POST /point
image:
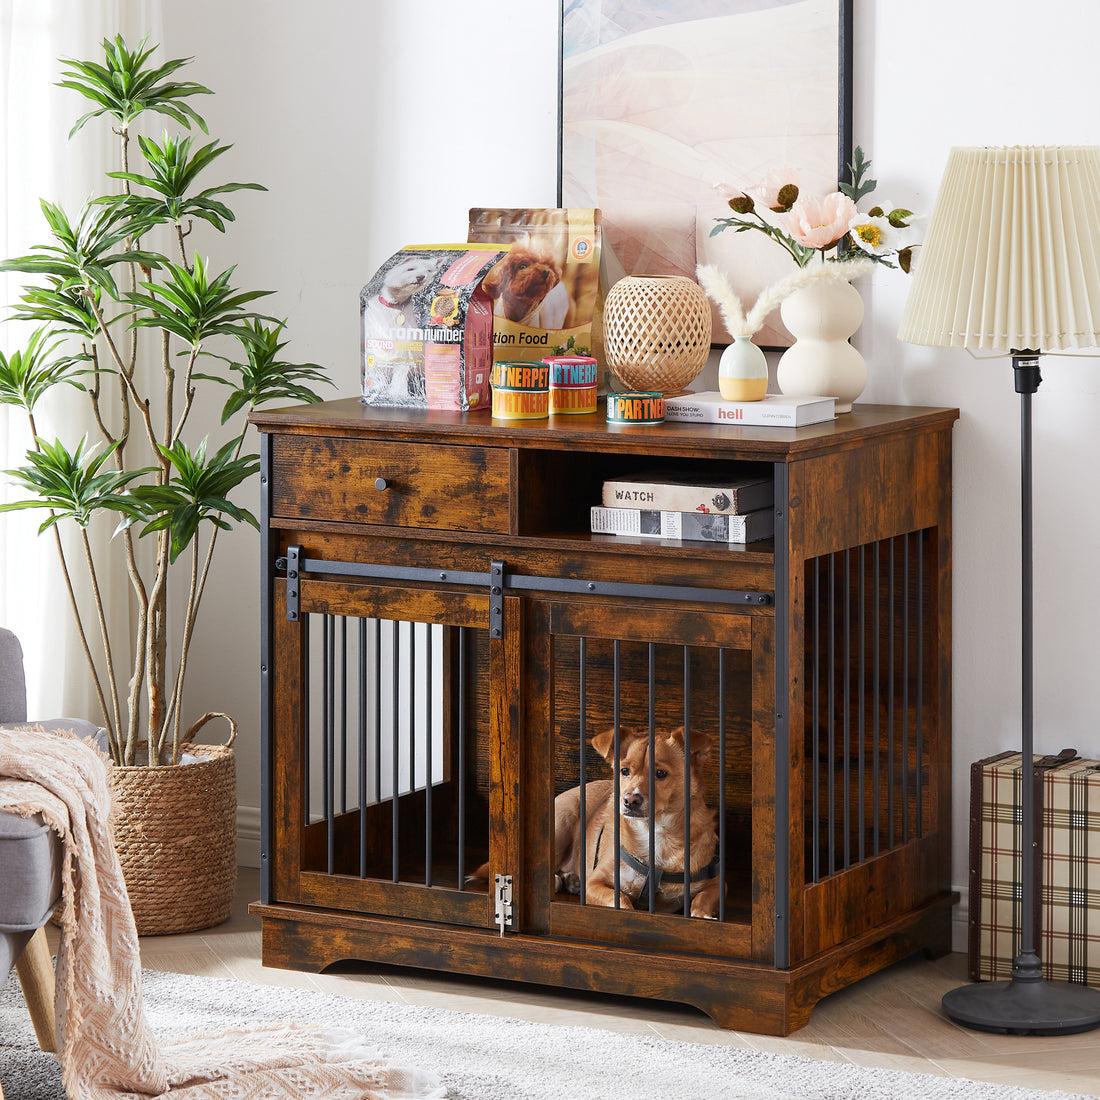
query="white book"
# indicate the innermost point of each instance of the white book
(724, 491)
(693, 526)
(774, 409)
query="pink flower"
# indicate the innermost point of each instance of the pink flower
(777, 190)
(820, 222)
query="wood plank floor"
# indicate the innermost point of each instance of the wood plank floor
(891, 1020)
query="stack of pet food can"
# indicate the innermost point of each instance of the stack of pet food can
(572, 383)
(521, 391)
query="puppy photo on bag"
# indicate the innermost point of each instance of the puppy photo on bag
(544, 291)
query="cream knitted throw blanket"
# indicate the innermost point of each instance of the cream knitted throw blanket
(105, 1046)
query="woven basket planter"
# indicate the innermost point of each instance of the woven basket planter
(176, 836)
(656, 332)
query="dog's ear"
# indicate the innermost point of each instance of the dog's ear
(700, 744)
(493, 283)
(604, 743)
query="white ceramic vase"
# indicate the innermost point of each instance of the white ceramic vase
(821, 317)
(743, 371)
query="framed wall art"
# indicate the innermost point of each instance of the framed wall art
(662, 99)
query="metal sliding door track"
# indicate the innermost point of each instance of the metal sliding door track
(295, 565)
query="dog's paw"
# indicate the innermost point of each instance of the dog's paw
(569, 883)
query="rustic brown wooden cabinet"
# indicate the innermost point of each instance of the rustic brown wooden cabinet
(442, 636)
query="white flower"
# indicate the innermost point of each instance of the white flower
(875, 234)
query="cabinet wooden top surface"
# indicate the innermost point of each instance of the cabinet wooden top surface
(351, 417)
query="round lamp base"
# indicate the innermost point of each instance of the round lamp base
(1025, 1007)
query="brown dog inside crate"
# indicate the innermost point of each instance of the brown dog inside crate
(675, 829)
(636, 804)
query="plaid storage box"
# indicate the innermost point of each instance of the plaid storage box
(1067, 863)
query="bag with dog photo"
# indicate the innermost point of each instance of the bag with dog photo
(545, 289)
(427, 328)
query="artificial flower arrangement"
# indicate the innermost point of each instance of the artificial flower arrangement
(808, 226)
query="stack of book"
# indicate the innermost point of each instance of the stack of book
(664, 505)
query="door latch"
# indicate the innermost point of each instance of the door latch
(502, 903)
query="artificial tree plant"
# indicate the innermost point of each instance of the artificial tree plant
(102, 284)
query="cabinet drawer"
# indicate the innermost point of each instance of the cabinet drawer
(446, 487)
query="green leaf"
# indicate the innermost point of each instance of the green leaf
(27, 374)
(858, 188)
(82, 254)
(194, 305)
(265, 376)
(173, 168)
(73, 486)
(124, 86)
(197, 491)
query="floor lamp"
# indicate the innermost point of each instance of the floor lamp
(1011, 263)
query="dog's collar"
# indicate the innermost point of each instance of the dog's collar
(388, 305)
(656, 875)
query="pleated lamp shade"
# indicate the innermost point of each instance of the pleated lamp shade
(1011, 259)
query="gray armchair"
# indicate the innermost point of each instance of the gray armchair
(30, 863)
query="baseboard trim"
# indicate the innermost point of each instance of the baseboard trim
(960, 922)
(248, 836)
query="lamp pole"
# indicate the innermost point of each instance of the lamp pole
(1027, 1002)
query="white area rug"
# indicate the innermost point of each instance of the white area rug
(489, 1058)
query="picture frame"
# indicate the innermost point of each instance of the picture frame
(660, 100)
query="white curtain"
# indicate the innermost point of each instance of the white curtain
(37, 160)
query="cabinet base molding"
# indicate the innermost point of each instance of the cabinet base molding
(738, 995)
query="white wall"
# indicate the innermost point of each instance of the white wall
(338, 111)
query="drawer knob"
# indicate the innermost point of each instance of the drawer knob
(380, 484)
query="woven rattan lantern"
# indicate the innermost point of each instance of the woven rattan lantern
(656, 332)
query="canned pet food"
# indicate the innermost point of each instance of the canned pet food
(521, 391)
(635, 408)
(572, 383)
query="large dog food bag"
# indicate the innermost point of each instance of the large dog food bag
(545, 291)
(427, 328)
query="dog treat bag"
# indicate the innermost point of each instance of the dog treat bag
(544, 291)
(427, 328)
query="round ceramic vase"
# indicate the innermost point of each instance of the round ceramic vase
(742, 371)
(822, 317)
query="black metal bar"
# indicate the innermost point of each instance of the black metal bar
(343, 714)
(395, 745)
(376, 685)
(891, 692)
(920, 684)
(846, 709)
(411, 681)
(876, 721)
(328, 733)
(721, 784)
(617, 756)
(907, 592)
(267, 659)
(307, 726)
(364, 725)
(687, 782)
(460, 703)
(861, 692)
(429, 765)
(582, 688)
(815, 731)
(652, 779)
(830, 703)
